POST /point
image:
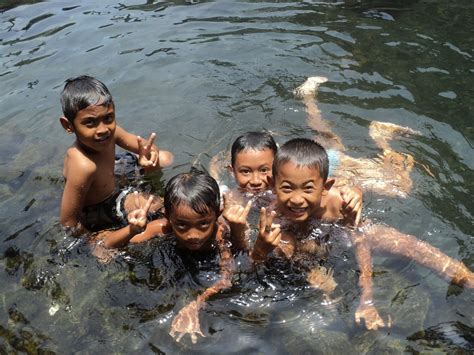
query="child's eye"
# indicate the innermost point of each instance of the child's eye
(264, 170)
(180, 226)
(308, 190)
(245, 172)
(89, 124)
(286, 189)
(204, 224)
(109, 119)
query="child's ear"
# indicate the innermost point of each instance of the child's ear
(328, 184)
(68, 126)
(230, 169)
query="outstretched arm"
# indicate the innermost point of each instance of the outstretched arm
(387, 239)
(187, 320)
(149, 156)
(137, 230)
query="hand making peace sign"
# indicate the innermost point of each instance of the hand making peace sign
(137, 218)
(148, 154)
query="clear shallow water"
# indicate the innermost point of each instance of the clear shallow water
(199, 75)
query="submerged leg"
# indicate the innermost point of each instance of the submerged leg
(386, 239)
(383, 132)
(307, 93)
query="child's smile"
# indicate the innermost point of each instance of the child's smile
(299, 191)
(253, 169)
(95, 126)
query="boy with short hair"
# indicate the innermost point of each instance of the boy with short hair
(252, 156)
(303, 190)
(90, 200)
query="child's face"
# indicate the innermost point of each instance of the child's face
(253, 169)
(94, 126)
(299, 191)
(192, 229)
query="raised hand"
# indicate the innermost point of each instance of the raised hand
(352, 205)
(234, 213)
(187, 322)
(370, 315)
(269, 235)
(148, 154)
(137, 218)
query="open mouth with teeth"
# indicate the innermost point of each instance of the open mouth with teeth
(297, 211)
(103, 139)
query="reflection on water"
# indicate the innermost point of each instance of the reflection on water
(199, 75)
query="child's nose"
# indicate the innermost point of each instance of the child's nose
(296, 199)
(255, 179)
(102, 128)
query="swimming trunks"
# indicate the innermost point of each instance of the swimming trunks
(111, 213)
(106, 214)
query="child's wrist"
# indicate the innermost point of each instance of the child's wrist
(134, 230)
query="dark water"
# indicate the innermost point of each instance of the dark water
(199, 75)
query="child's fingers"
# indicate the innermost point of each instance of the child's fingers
(140, 143)
(263, 220)
(275, 235)
(270, 219)
(153, 157)
(148, 204)
(151, 140)
(246, 210)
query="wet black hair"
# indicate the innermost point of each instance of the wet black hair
(302, 152)
(197, 189)
(252, 141)
(81, 92)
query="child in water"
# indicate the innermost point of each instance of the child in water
(300, 173)
(91, 202)
(192, 207)
(252, 157)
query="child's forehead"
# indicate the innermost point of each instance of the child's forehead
(255, 153)
(101, 105)
(291, 170)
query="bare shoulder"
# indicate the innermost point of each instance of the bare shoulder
(333, 204)
(77, 164)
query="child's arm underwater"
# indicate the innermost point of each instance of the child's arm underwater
(149, 156)
(390, 240)
(366, 310)
(187, 320)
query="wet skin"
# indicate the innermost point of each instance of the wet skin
(299, 192)
(253, 169)
(95, 127)
(193, 230)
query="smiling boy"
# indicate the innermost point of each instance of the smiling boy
(304, 197)
(90, 200)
